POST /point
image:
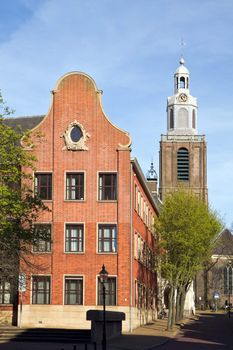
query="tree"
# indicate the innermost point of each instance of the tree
(19, 208)
(186, 228)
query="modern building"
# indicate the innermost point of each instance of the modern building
(102, 211)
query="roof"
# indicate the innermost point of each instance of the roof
(25, 123)
(182, 69)
(224, 243)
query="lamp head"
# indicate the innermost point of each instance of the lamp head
(103, 275)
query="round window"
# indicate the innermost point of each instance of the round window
(76, 134)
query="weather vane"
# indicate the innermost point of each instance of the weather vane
(182, 44)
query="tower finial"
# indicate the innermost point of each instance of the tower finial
(182, 44)
(151, 174)
(182, 60)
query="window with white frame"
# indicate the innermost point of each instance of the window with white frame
(75, 186)
(73, 290)
(6, 290)
(107, 186)
(139, 203)
(41, 290)
(107, 238)
(142, 207)
(43, 185)
(136, 198)
(135, 245)
(42, 243)
(74, 238)
(110, 291)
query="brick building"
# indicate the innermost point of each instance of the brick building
(101, 212)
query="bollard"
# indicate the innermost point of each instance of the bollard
(86, 346)
(74, 347)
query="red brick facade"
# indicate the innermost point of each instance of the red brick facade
(104, 150)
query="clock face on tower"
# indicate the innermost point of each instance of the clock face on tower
(183, 97)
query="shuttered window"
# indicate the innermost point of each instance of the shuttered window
(183, 164)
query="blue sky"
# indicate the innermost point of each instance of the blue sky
(131, 48)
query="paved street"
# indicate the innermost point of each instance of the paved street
(211, 331)
(208, 331)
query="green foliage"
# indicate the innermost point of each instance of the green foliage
(187, 228)
(19, 208)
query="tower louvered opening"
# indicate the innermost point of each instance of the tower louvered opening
(183, 164)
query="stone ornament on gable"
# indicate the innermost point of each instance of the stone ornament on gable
(75, 137)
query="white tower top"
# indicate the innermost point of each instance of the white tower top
(181, 107)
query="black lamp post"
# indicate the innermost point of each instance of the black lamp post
(229, 302)
(103, 278)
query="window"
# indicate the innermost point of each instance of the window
(6, 292)
(182, 83)
(140, 248)
(139, 203)
(40, 290)
(135, 245)
(74, 238)
(107, 239)
(43, 186)
(139, 294)
(141, 207)
(171, 119)
(135, 197)
(43, 241)
(183, 164)
(76, 134)
(193, 119)
(110, 291)
(75, 186)
(107, 186)
(74, 291)
(228, 280)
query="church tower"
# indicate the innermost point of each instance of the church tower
(182, 150)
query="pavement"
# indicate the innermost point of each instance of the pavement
(146, 337)
(205, 331)
(212, 331)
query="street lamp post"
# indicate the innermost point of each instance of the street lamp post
(229, 302)
(103, 278)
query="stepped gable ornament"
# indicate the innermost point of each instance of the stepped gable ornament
(75, 137)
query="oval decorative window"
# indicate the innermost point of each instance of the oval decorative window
(76, 134)
(75, 137)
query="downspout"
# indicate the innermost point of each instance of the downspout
(131, 251)
(53, 166)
